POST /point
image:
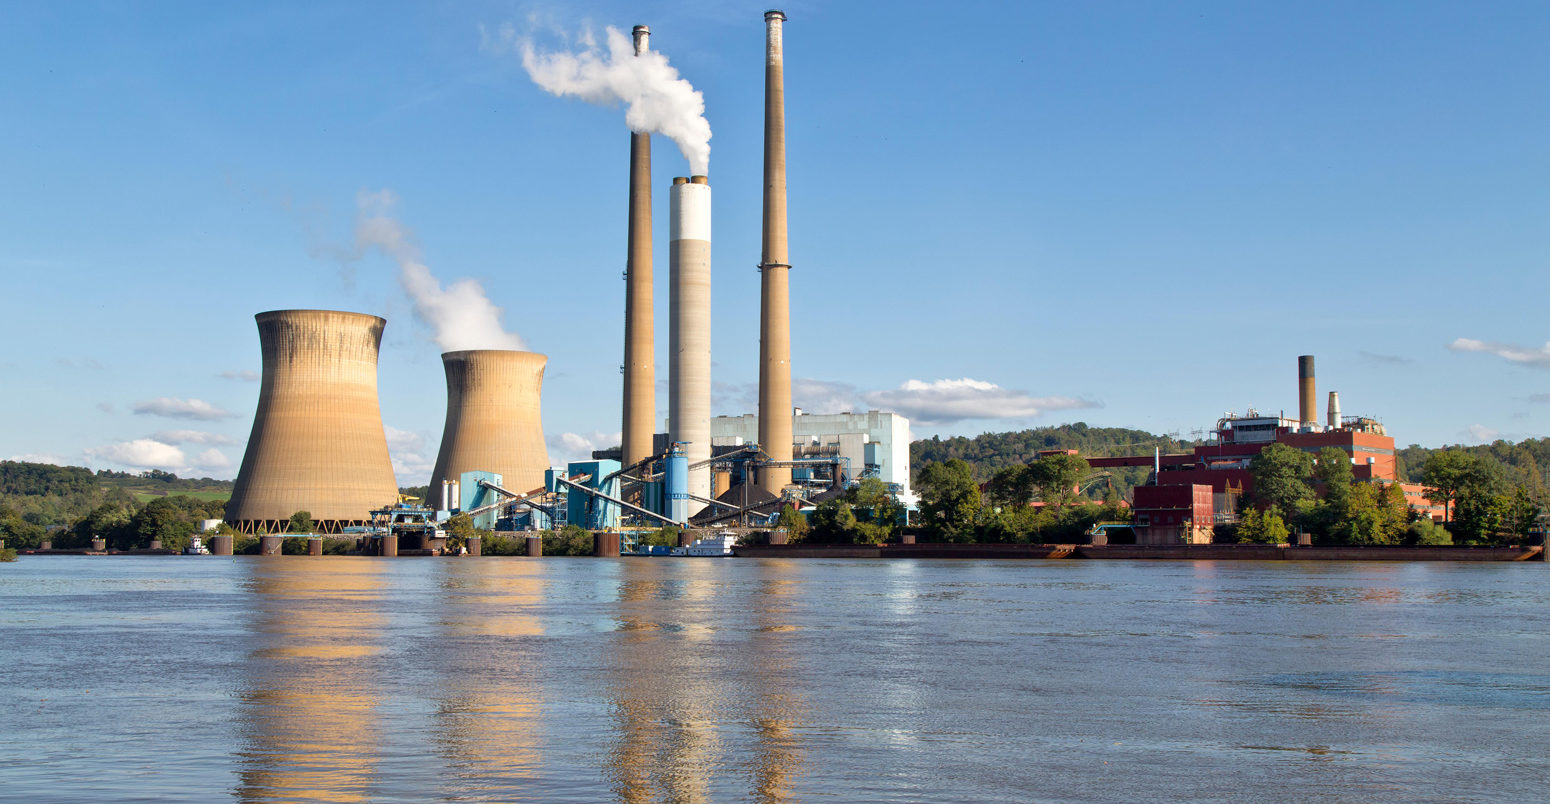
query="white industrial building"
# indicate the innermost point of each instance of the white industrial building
(873, 444)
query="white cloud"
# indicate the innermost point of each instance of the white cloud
(949, 401)
(192, 437)
(144, 453)
(1480, 432)
(1524, 355)
(105, 407)
(245, 376)
(812, 396)
(212, 458)
(1539, 397)
(566, 447)
(412, 465)
(174, 408)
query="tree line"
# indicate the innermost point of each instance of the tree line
(71, 505)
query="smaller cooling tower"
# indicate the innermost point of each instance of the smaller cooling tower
(317, 443)
(493, 423)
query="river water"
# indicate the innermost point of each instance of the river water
(508, 679)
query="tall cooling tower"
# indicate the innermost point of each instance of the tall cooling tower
(317, 443)
(492, 418)
(774, 284)
(640, 389)
(688, 396)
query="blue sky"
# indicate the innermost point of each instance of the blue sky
(998, 211)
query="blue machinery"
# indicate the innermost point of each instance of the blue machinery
(596, 494)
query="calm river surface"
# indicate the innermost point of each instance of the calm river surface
(505, 679)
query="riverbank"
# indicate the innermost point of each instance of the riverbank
(1174, 552)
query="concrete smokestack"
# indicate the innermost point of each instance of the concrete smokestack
(317, 443)
(1307, 412)
(640, 370)
(688, 404)
(774, 290)
(493, 421)
(1334, 410)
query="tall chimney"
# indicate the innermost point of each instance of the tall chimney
(688, 402)
(1307, 415)
(639, 330)
(1334, 410)
(774, 291)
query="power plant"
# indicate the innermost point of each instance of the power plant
(317, 443)
(493, 422)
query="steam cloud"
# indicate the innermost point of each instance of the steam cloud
(460, 314)
(656, 99)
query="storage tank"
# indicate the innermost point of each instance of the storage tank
(493, 422)
(317, 443)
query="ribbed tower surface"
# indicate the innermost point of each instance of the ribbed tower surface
(317, 443)
(493, 421)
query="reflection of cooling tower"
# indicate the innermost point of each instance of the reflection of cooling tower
(492, 418)
(775, 290)
(688, 395)
(317, 442)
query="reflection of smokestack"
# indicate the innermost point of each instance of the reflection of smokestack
(688, 401)
(639, 329)
(775, 291)
(317, 443)
(1334, 410)
(1307, 414)
(493, 423)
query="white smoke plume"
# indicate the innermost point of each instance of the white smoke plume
(655, 98)
(460, 314)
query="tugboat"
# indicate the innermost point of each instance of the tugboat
(196, 547)
(718, 546)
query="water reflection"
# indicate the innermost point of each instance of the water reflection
(310, 687)
(702, 690)
(488, 708)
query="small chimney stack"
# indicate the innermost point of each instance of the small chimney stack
(1307, 414)
(1334, 410)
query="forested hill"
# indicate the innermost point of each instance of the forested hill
(1525, 462)
(992, 451)
(44, 494)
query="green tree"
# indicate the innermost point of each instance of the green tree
(833, 522)
(793, 522)
(166, 518)
(1056, 477)
(1262, 527)
(1280, 477)
(1446, 474)
(949, 501)
(301, 522)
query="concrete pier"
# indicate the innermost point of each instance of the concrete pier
(390, 546)
(475, 545)
(605, 545)
(907, 538)
(220, 545)
(270, 545)
(779, 537)
(535, 547)
(156, 544)
(99, 545)
(46, 544)
(314, 545)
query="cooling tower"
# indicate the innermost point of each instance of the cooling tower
(492, 418)
(688, 395)
(639, 335)
(317, 443)
(774, 287)
(1307, 413)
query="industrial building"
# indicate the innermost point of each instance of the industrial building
(871, 444)
(317, 443)
(1188, 493)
